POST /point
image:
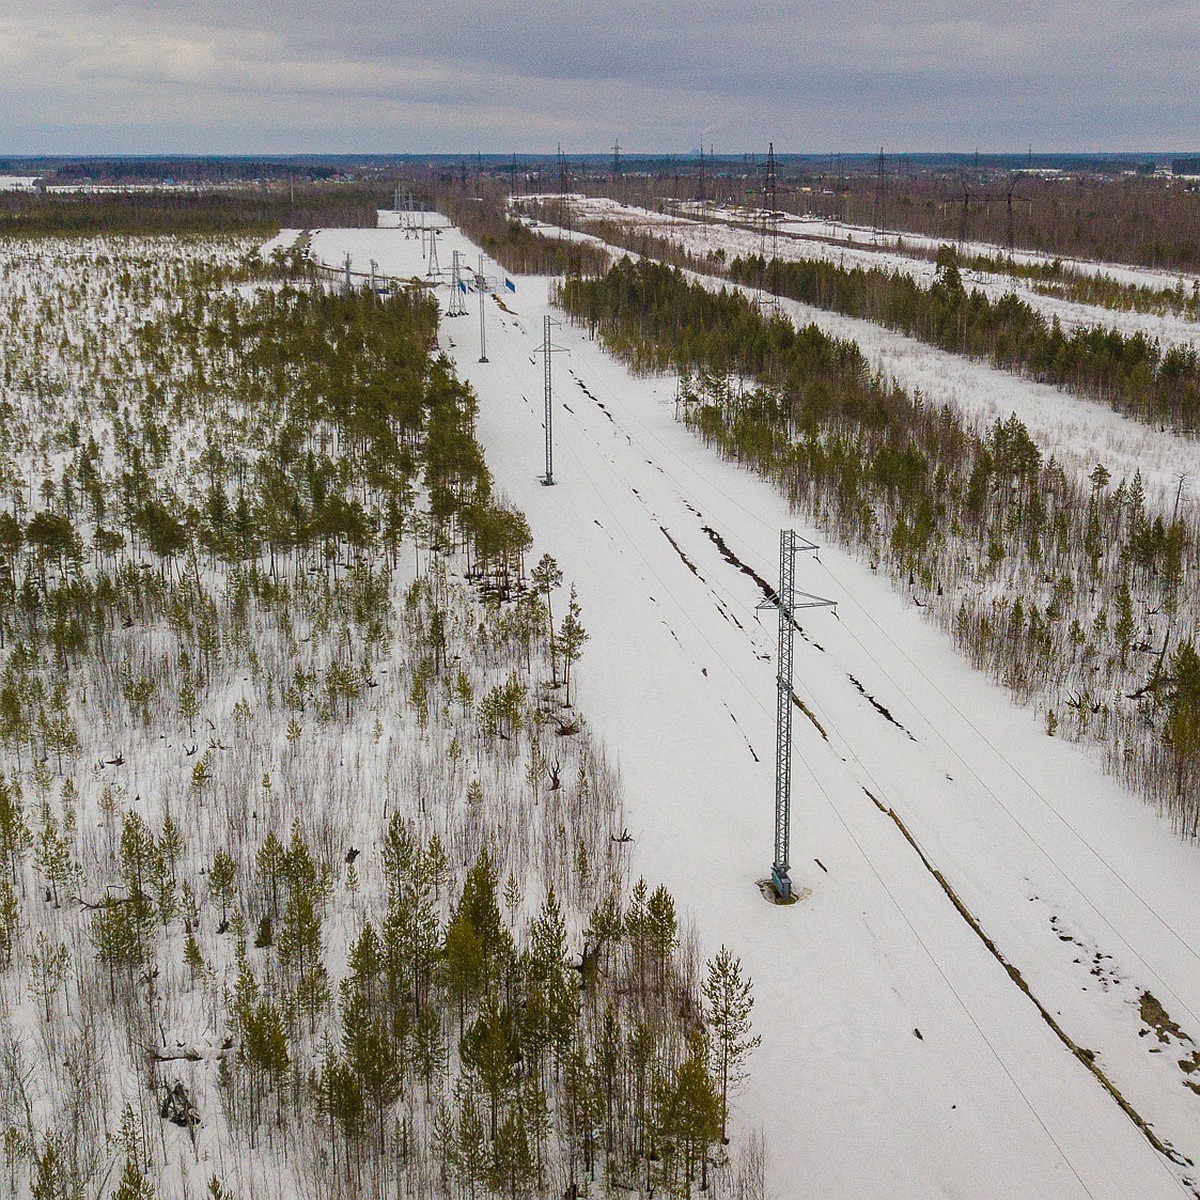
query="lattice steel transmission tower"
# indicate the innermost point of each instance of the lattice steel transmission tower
(880, 197)
(433, 270)
(547, 351)
(787, 604)
(458, 289)
(769, 240)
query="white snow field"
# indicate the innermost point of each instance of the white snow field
(900, 1057)
(1079, 432)
(800, 239)
(813, 227)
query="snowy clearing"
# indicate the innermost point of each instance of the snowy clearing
(1078, 432)
(899, 1056)
(796, 242)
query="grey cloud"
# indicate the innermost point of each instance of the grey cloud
(466, 75)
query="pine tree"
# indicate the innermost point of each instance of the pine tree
(137, 853)
(471, 1159)
(265, 1049)
(571, 638)
(10, 920)
(222, 881)
(135, 1183)
(338, 1095)
(192, 957)
(50, 1177)
(513, 1169)
(271, 862)
(374, 1056)
(47, 970)
(728, 1001)
(1182, 728)
(512, 898)
(693, 1111)
(546, 576)
(53, 858)
(429, 1049)
(661, 929)
(489, 1049)
(462, 971)
(170, 844)
(15, 837)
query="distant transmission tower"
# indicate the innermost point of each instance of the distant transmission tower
(616, 166)
(458, 288)
(880, 194)
(547, 351)
(769, 241)
(433, 270)
(564, 212)
(786, 604)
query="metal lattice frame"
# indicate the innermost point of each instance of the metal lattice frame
(433, 270)
(783, 714)
(547, 353)
(457, 307)
(786, 603)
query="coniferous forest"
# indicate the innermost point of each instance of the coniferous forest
(314, 880)
(1131, 372)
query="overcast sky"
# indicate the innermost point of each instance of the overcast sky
(292, 76)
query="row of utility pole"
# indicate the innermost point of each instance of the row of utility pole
(786, 602)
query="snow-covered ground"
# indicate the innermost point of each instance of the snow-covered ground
(899, 1056)
(1080, 433)
(797, 242)
(821, 227)
(17, 183)
(285, 239)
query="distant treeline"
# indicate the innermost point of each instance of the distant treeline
(1150, 221)
(250, 210)
(191, 170)
(513, 244)
(1131, 372)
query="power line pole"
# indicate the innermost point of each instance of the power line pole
(546, 352)
(786, 604)
(481, 285)
(769, 248)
